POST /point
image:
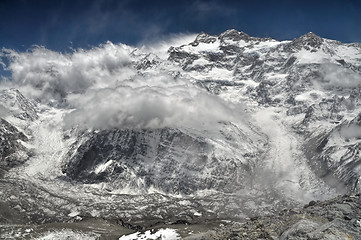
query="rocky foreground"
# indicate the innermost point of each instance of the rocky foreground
(338, 218)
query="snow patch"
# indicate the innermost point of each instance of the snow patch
(264, 45)
(74, 213)
(103, 167)
(310, 96)
(203, 47)
(306, 57)
(163, 234)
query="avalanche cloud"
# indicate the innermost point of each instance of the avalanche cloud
(103, 89)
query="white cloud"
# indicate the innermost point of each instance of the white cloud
(105, 90)
(3, 111)
(147, 107)
(337, 76)
(46, 74)
(2, 64)
(351, 131)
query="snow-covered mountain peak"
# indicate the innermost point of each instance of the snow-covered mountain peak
(234, 35)
(310, 41)
(203, 38)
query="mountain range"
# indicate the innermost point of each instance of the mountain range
(213, 131)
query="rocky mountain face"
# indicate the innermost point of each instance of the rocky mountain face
(339, 160)
(296, 139)
(171, 160)
(12, 152)
(16, 107)
(315, 80)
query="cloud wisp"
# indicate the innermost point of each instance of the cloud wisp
(337, 76)
(160, 45)
(104, 89)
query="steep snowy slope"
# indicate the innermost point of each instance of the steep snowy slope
(14, 149)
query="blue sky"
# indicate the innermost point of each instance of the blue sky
(61, 25)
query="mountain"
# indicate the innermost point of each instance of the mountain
(12, 151)
(224, 128)
(175, 161)
(314, 84)
(16, 107)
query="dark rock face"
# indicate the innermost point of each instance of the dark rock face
(170, 160)
(234, 35)
(309, 41)
(182, 57)
(12, 152)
